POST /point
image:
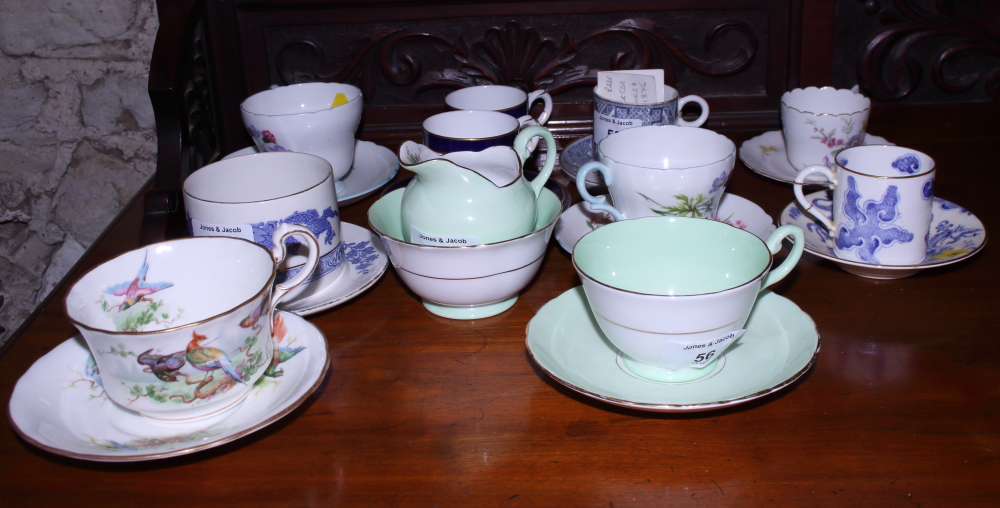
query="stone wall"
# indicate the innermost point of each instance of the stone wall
(77, 135)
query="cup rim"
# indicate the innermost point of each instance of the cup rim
(785, 104)
(321, 110)
(675, 99)
(767, 268)
(601, 153)
(932, 169)
(267, 285)
(449, 107)
(517, 126)
(186, 191)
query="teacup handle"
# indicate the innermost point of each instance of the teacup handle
(527, 121)
(521, 147)
(698, 121)
(547, 99)
(597, 203)
(278, 252)
(774, 245)
(800, 181)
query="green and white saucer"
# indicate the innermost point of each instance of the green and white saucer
(780, 344)
(59, 404)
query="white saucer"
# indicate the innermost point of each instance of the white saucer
(366, 263)
(765, 155)
(579, 220)
(955, 235)
(781, 343)
(374, 166)
(58, 407)
(577, 154)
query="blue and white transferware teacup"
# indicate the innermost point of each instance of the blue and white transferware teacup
(611, 117)
(661, 170)
(504, 99)
(249, 196)
(882, 199)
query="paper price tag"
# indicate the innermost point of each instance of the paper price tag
(644, 86)
(424, 239)
(699, 354)
(199, 228)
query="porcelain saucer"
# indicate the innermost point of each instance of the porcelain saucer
(781, 343)
(765, 155)
(367, 262)
(374, 166)
(577, 154)
(58, 406)
(955, 235)
(579, 220)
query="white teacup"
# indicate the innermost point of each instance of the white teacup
(504, 99)
(661, 170)
(612, 116)
(820, 122)
(181, 330)
(299, 118)
(249, 196)
(882, 198)
(672, 293)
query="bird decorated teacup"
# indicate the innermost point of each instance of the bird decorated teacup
(181, 330)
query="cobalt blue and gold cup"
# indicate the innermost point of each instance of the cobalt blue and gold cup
(469, 131)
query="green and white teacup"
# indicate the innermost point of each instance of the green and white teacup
(672, 293)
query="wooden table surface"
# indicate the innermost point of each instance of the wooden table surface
(900, 409)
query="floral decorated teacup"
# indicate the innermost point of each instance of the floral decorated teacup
(314, 118)
(181, 330)
(820, 122)
(661, 170)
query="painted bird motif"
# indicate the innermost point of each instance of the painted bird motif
(209, 358)
(283, 354)
(138, 289)
(251, 320)
(163, 366)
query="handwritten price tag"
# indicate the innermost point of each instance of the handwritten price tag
(643, 86)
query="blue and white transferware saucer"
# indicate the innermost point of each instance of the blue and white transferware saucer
(780, 344)
(579, 219)
(577, 154)
(374, 166)
(955, 234)
(766, 156)
(367, 262)
(59, 404)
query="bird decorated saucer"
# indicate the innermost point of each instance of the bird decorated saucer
(766, 155)
(577, 154)
(374, 166)
(59, 404)
(780, 344)
(955, 234)
(366, 260)
(579, 220)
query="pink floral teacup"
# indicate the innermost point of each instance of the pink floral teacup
(820, 122)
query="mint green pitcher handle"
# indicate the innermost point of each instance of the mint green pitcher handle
(521, 147)
(774, 245)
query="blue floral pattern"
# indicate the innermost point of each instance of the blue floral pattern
(908, 164)
(948, 205)
(950, 240)
(928, 191)
(871, 223)
(328, 263)
(317, 223)
(719, 182)
(361, 255)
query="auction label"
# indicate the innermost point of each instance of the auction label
(605, 125)
(699, 354)
(199, 228)
(448, 241)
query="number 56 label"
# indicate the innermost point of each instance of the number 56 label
(698, 354)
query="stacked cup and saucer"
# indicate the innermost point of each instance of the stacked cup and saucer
(878, 217)
(180, 349)
(673, 314)
(470, 231)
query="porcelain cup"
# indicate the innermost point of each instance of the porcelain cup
(611, 117)
(672, 293)
(819, 122)
(504, 99)
(250, 195)
(882, 199)
(472, 131)
(661, 170)
(181, 330)
(299, 118)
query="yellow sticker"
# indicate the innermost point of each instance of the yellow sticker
(338, 100)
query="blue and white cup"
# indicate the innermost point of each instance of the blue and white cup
(504, 99)
(251, 195)
(882, 198)
(661, 170)
(471, 131)
(611, 117)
